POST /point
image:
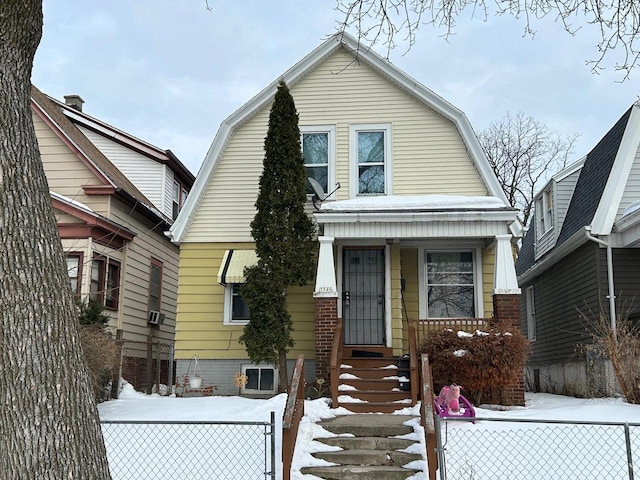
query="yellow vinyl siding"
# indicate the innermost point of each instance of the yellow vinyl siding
(488, 267)
(200, 330)
(396, 301)
(428, 157)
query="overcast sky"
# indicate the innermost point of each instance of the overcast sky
(169, 71)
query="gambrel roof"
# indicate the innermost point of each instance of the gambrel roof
(295, 75)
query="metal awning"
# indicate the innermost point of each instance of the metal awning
(233, 265)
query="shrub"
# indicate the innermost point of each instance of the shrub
(100, 349)
(621, 347)
(101, 354)
(481, 363)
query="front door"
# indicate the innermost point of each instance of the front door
(363, 296)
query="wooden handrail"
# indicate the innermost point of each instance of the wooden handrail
(293, 412)
(413, 362)
(427, 418)
(336, 359)
(424, 326)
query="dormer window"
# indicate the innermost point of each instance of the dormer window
(544, 212)
(178, 198)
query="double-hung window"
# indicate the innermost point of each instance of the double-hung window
(531, 313)
(451, 284)
(178, 197)
(74, 271)
(318, 150)
(544, 212)
(155, 285)
(370, 157)
(105, 282)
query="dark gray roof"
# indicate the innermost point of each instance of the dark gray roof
(592, 180)
(586, 196)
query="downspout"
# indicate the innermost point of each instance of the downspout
(612, 298)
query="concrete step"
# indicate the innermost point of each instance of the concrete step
(373, 407)
(368, 457)
(364, 425)
(357, 472)
(378, 396)
(367, 443)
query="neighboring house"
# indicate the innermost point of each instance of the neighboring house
(419, 224)
(582, 243)
(114, 197)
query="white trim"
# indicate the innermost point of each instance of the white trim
(356, 128)
(228, 307)
(330, 130)
(478, 290)
(605, 215)
(294, 75)
(387, 297)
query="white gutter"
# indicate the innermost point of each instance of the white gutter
(612, 297)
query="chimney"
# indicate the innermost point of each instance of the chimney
(74, 101)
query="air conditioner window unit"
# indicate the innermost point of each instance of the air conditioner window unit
(156, 318)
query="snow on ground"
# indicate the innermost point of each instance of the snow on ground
(137, 406)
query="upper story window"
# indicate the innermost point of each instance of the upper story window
(318, 149)
(105, 282)
(370, 157)
(179, 196)
(544, 212)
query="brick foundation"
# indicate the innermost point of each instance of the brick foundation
(506, 312)
(326, 321)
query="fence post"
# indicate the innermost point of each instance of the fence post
(440, 449)
(627, 439)
(115, 379)
(273, 445)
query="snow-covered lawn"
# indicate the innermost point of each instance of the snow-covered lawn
(137, 406)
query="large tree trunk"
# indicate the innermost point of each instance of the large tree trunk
(49, 425)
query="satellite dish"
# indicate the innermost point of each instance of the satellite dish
(317, 189)
(318, 192)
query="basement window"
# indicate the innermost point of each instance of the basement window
(261, 379)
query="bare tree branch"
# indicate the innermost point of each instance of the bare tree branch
(617, 22)
(524, 153)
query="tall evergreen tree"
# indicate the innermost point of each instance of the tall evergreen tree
(283, 233)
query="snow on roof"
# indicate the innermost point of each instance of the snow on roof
(635, 206)
(415, 202)
(71, 201)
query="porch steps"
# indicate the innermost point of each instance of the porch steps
(373, 453)
(369, 381)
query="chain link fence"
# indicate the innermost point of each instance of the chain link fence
(508, 449)
(195, 450)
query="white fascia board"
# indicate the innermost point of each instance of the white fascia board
(605, 215)
(553, 257)
(412, 217)
(232, 122)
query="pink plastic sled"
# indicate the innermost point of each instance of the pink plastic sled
(451, 403)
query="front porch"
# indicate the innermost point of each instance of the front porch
(379, 268)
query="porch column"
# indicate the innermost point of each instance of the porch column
(506, 306)
(326, 303)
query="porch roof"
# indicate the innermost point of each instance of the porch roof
(426, 216)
